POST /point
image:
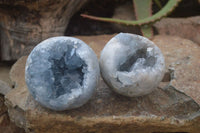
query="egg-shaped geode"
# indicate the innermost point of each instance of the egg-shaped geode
(62, 73)
(132, 65)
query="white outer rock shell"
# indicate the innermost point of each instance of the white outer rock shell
(139, 80)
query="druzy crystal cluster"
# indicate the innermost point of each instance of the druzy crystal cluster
(62, 73)
(132, 65)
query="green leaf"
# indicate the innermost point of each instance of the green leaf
(163, 12)
(143, 9)
(147, 31)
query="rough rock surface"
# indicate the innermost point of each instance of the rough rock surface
(183, 27)
(4, 72)
(26, 23)
(4, 78)
(6, 126)
(172, 107)
(4, 88)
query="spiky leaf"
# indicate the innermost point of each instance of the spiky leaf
(168, 8)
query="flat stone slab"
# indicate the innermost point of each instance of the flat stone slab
(173, 107)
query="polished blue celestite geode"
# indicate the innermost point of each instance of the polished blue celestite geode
(62, 73)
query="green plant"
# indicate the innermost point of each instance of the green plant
(143, 10)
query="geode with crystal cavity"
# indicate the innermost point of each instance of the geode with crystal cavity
(132, 65)
(62, 73)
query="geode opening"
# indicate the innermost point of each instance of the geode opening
(132, 65)
(140, 57)
(68, 72)
(62, 73)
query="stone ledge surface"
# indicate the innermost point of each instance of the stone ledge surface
(173, 107)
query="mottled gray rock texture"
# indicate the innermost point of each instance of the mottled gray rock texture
(62, 73)
(132, 65)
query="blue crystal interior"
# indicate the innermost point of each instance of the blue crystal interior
(139, 57)
(61, 73)
(68, 72)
